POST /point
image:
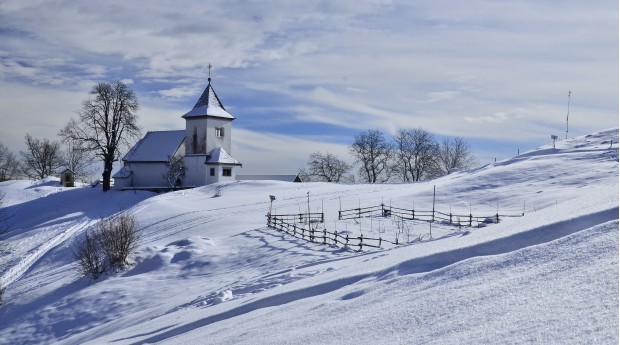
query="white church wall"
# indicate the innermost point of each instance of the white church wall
(218, 173)
(195, 136)
(215, 141)
(194, 170)
(148, 174)
(120, 183)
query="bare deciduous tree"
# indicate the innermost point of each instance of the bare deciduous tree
(326, 167)
(416, 152)
(454, 153)
(9, 166)
(78, 159)
(373, 152)
(175, 170)
(41, 158)
(106, 123)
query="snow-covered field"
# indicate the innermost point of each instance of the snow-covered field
(208, 270)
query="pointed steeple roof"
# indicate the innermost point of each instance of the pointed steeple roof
(209, 105)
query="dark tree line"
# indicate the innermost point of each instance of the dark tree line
(409, 155)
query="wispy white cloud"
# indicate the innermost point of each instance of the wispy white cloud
(494, 71)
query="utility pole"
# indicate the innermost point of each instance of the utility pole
(567, 113)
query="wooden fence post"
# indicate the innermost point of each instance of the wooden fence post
(433, 203)
(335, 237)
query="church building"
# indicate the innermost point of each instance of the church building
(203, 148)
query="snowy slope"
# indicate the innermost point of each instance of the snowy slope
(209, 271)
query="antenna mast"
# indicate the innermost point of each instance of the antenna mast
(567, 113)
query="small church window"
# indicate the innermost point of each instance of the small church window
(227, 172)
(219, 132)
(212, 172)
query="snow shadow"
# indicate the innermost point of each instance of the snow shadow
(503, 245)
(271, 301)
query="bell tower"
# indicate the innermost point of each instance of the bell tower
(208, 132)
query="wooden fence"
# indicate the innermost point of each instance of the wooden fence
(432, 216)
(293, 226)
(305, 225)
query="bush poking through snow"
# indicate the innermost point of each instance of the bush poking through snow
(119, 238)
(108, 247)
(90, 257)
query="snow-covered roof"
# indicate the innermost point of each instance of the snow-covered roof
(123, 173)
(209, 105)
(156, 146)
(220, 156)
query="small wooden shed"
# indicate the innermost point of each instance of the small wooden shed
(67, 178)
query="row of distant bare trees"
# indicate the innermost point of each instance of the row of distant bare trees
(44, 157)
(409, 155)
(106, 124)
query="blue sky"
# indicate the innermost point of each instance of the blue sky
(307, 76)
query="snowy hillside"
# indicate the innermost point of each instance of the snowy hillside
(209, 271)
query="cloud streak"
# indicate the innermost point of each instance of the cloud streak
(489, 72)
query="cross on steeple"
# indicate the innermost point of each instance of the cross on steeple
(209, 79)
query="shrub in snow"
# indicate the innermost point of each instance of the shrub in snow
(109, 247)
(119, 238)
(90, 257)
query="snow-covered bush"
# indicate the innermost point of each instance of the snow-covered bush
(108, 247)
(119, 238)
(90, 257)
